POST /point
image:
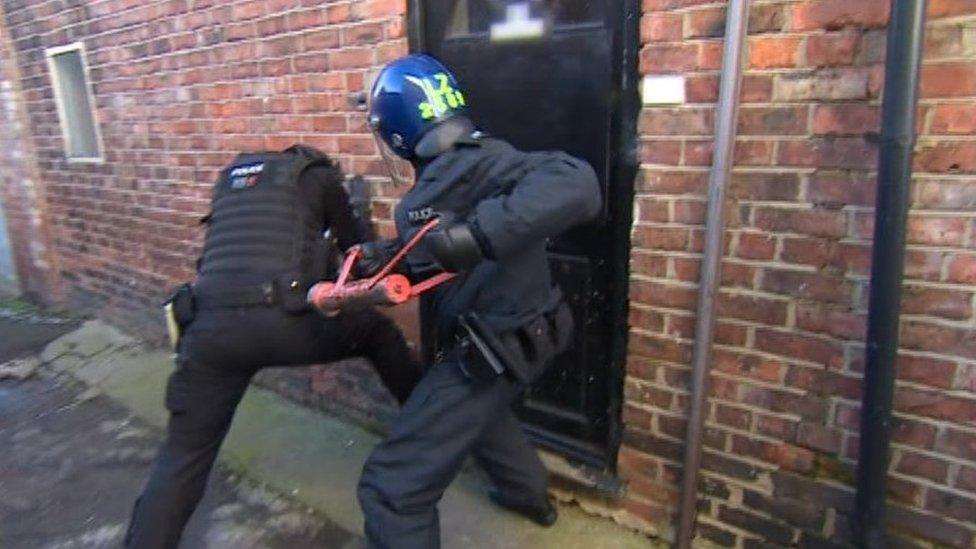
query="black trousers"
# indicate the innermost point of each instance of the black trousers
(219, 354)
(446, 418)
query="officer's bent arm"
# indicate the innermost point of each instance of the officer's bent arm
(339, 215)
(558, 193)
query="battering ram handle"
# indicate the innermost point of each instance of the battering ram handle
(330, 298)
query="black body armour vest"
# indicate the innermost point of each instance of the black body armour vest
(263, 240)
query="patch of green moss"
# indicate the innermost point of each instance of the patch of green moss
(830, 468)
(16, 305)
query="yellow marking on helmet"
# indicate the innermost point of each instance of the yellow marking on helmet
(440, 99)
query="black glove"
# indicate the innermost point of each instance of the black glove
(455, 248)
(374, 256)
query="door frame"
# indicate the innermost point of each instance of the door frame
(623, 166)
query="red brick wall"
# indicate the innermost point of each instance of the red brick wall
(781, 439)
(181, 85)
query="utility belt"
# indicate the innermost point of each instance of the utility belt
(183, 304)
(523, 354)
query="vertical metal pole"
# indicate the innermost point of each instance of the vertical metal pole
(905, 37)
(725, 126)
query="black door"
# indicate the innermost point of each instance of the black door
(558, 74)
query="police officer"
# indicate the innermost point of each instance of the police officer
(495, 326)
(264, 247)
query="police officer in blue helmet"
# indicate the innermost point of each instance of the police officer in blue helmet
(495, 327)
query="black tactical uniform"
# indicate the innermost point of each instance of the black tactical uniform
(510, 202)
(264, 247)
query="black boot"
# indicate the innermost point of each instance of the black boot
(542, 513)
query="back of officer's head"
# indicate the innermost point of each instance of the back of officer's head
(412, 97)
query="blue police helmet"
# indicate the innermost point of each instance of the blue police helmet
(409, 97)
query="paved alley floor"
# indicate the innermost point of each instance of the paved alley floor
(73, 461)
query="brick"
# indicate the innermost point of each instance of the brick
(957, 443)
(945, 195)
(926, 371)
(798, 488)
(966, 479)
(951, 505)
(772, 52)
(663, 295)
(813, 222)
(950, 79)
(701, 89)
(946, 157)
(772, 121)
(928, 526)
(837, 322)
(949, 8)
(651, 209)
(806, 285)
(733, 417)
(826, 85)
(822, 153)
(966, 379)
(832, 49)
(658, 58)
(653, 151)
(685, 121)
(649, 395)
(660, 27)
(951, 304)
(705, 23)
(729, 466)
(687, 183)
(631, 462)
(814, 252)
(936, 231)
(766, 18)
(936, 338)
(769, 529)
(714, 534)
(819, 381)
(646, 319)
(659, 347)
(765, 187)
(836, 14)
(846, 119)
(942, 41)
(818, 437)
(813, 349)
(776, 427)
(710, 55)
(755, 246)
(934, 404)
(748, 366)
(689, 212)
(834, 190)
(755, 88)
(919, 465)
(661, 238)
(362, 33)
(649, 264)
(913, 432)
(385, 8)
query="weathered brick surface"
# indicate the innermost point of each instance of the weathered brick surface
(787, 395)
(180, 86)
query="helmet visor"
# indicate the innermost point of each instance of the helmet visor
(401, 171)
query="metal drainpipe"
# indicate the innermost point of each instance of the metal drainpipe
(725, 127)
(905, 36)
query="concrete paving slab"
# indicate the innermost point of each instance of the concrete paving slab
(317, 458)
